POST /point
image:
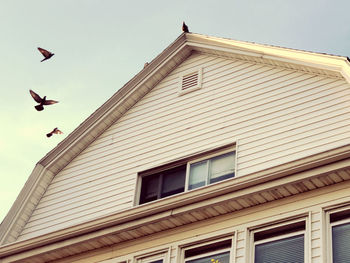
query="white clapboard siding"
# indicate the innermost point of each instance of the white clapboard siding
(316, 242)
(240, 248)
(277, 115)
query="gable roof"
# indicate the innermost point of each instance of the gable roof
(136, 88)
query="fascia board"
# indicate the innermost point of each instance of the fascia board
(21, 201)
(309, 59)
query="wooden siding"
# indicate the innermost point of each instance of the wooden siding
(277, 115)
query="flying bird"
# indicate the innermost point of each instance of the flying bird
(54, 131)
(45, 53)
(184, 27)
(41, 101)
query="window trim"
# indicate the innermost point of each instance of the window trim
(208, 157)
(211, 241)
(154, 255)
(329, 226)
(277, 225)
(202, 155)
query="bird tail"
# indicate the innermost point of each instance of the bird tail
(49, 135)
(39, 107)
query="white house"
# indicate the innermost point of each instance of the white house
(217, 151)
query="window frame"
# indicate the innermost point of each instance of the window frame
(162, 254)
(278, 237)
(209, 157)
(212, 241)
(206, 155)
(330, 225)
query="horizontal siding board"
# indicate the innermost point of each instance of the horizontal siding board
(85, 189)
(66, 203)
(323, 127)
(77, 212)
(311, 141)
(211, 109)
(277, 114)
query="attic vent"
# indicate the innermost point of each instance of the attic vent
(190, 81)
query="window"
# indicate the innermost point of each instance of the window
(160, 257)
(163, 184)
(187, 174)
(218, 252)
(284, 243)
(211, 170)
(340, 236)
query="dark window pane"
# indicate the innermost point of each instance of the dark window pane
(218, 258)
(341, 243)
(289, 249)
(149, 188)
(157, 261)
(163, 184)
(173, 181)
(274, 232)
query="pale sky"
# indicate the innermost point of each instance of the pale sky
(99, 45)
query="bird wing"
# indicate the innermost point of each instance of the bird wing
(44, 52)
(57, 131)
(35, 96)
(49, 102)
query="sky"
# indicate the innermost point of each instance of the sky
(99, 45)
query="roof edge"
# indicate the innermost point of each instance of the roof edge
(22, 200)
(305, 58)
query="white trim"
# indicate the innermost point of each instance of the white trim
(207, 158)
(146, 256)
(308, 235)
(286, 222)
(211, 241)
(329, 225)
(122, 259)
(153, 255)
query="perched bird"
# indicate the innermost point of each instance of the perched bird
(41, 101)
(54, 131)
(184, 27)
(146, 64)
(45, 53)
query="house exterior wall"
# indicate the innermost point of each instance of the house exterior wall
(312, 206)
(274, 116)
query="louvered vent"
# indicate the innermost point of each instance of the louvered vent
(189, 81)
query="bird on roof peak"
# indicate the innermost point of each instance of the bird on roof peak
(184, 27)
